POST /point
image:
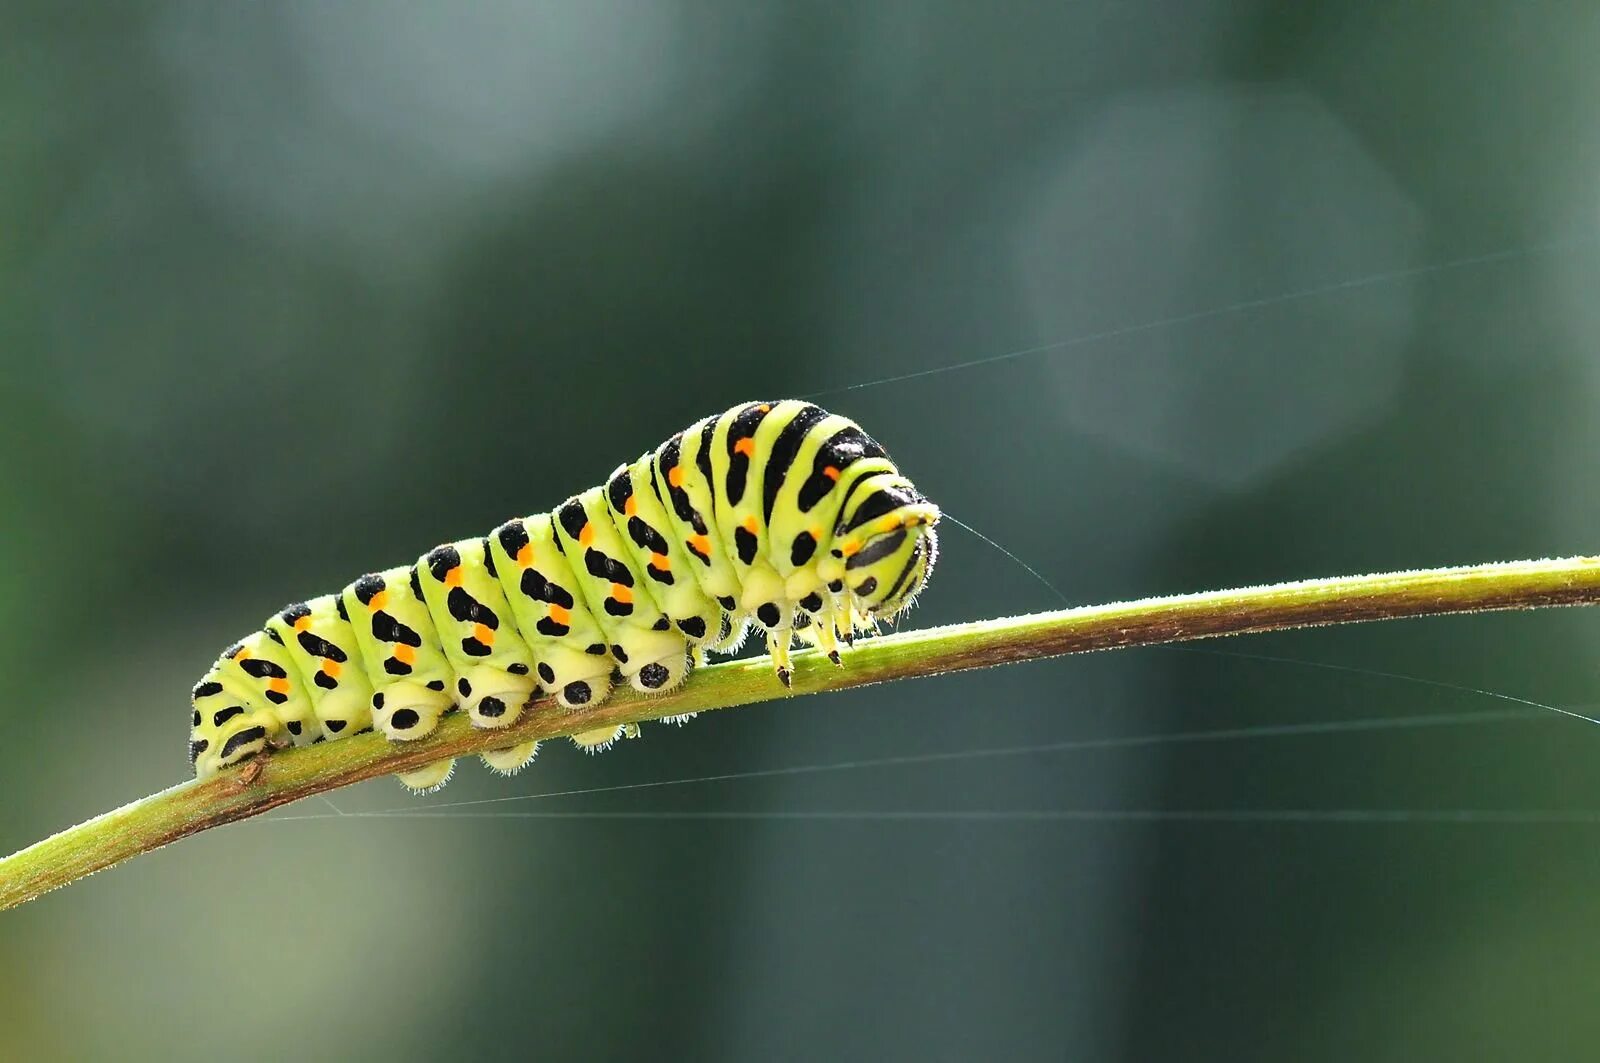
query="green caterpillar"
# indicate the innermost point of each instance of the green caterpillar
(778, 514)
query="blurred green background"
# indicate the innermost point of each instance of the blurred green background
(290, 291)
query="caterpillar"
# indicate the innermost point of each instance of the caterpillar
(774, 515)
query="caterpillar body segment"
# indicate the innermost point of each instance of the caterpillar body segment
(411, 677)
(777, 515)
(254, 684)
(493, 665)
(648, 651)
(259, 670)
(662, 559)
(681, 476)
(232, 720)
(410, 674)
(322, 645)
(572, 654)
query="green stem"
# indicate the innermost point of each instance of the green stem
(265, 784)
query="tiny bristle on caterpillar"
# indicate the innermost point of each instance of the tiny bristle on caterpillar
(773, 515)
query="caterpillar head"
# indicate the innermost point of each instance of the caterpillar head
(885, 545)
(224, 732)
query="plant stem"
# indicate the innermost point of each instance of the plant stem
(287, 776)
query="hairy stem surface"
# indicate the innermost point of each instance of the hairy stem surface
(256, 787)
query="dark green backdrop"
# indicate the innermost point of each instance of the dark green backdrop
(289, 291)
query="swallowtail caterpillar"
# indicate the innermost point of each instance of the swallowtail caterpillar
(773, 514)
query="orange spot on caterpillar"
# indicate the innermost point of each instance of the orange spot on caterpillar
(303, 623)
(765, 407)
(278, 686)
(815, 531)
(483, 633)
(331, 668)
(660, 562)
(560, 614)
(242, 655)
(621, 593)
(525, 555)
(405, 654)
(379, 600)
(630, 508)
(675, 476)
(586, 534)
(746, 446)
(851, 548)
(700, 544)
(831, 472)
(453, 577)
(890, 523)
(750, 524)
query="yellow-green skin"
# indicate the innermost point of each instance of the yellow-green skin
(778, 515)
